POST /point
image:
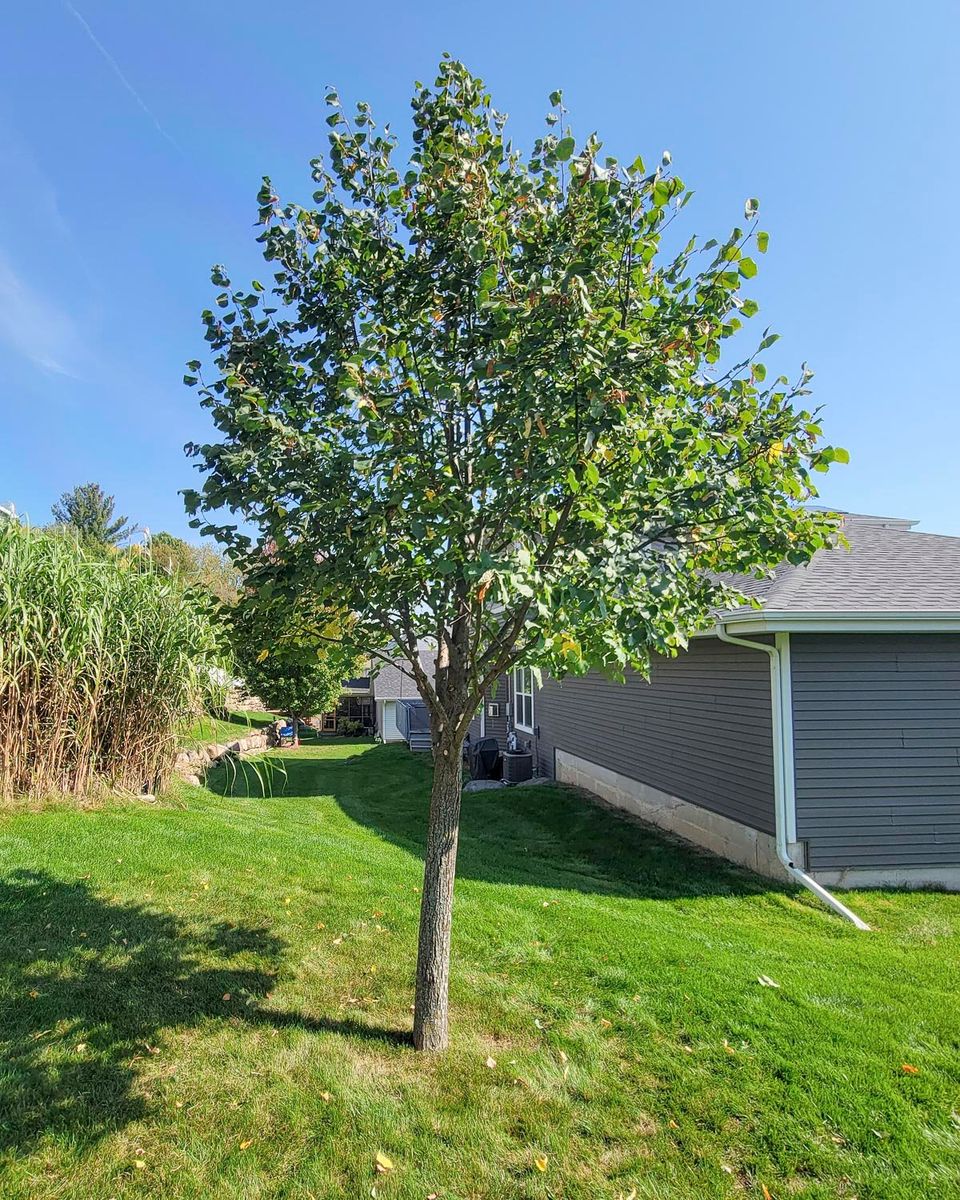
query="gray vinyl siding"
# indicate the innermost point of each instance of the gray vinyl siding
(877, 748)
(699, 730)
(494, 726)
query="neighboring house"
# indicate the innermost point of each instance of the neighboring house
(355, 704)
(821, 732)
(399, 713)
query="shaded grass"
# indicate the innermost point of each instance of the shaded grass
(222, 994)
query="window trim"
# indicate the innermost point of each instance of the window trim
(519, 690)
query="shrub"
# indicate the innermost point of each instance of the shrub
(348, 728)
(102, 660)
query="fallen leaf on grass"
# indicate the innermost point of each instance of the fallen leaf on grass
(140, 1164)
(246, 1144)
(326, 1097)
(766, 1192)
(729, 1049)
(383, 1162)
(605, 1023)
(540, 1162)
(766, 981)
(227, 996)
(491, 1062)
(909, 1069)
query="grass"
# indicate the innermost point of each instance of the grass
(102, 659)
(211, 999)
(236, 724)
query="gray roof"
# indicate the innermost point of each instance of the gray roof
(887, 568)
(393, 680)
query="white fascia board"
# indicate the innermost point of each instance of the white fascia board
(845, 622)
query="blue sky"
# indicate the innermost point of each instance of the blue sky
(133, 136)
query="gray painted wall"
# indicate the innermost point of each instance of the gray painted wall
(877, 748)
(699, 730)
(494, 726)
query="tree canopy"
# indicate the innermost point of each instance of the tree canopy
(87, 511)
(199, 565)
(287, 659)
(477, 394)
(488, 398)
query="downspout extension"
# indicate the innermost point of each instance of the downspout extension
(781, 714)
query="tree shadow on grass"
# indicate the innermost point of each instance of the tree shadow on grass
(87, 989)
(547, 835)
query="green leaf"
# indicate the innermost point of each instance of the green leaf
(763, 241)
(751, 208)
(565, 147)
(748, 268)
(488, 278)
(556, 98)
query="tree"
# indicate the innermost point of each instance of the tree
(88, 512)
(293, 661)
(484, 404)
(199, 565)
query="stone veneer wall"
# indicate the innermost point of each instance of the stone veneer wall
(191, 764)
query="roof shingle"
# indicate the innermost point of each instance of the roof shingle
(888, 568)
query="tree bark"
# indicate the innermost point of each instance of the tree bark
(430, 1018)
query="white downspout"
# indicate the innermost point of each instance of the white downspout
(783, 781)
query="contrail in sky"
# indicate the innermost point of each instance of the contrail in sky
(115, 67)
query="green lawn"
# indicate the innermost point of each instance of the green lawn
(225, 729)
(211, 999)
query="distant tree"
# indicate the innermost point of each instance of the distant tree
(490, 402)
(88, 511)
(289, 661)
(200, 565)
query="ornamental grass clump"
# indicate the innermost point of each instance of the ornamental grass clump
(102, 660)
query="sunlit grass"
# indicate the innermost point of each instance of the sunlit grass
(213, 1001)
(238, 723)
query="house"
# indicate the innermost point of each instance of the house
(400, 713)
(355, 704)
(816, 738)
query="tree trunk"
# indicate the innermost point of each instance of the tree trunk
(436, 907)
(296, 729)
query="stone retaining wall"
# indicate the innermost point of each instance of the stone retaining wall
(192, 764)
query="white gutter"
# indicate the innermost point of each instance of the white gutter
(783, 780)
(770, 620)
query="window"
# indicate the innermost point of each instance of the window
(523, 699)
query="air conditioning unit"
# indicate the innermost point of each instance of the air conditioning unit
(493, 710)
